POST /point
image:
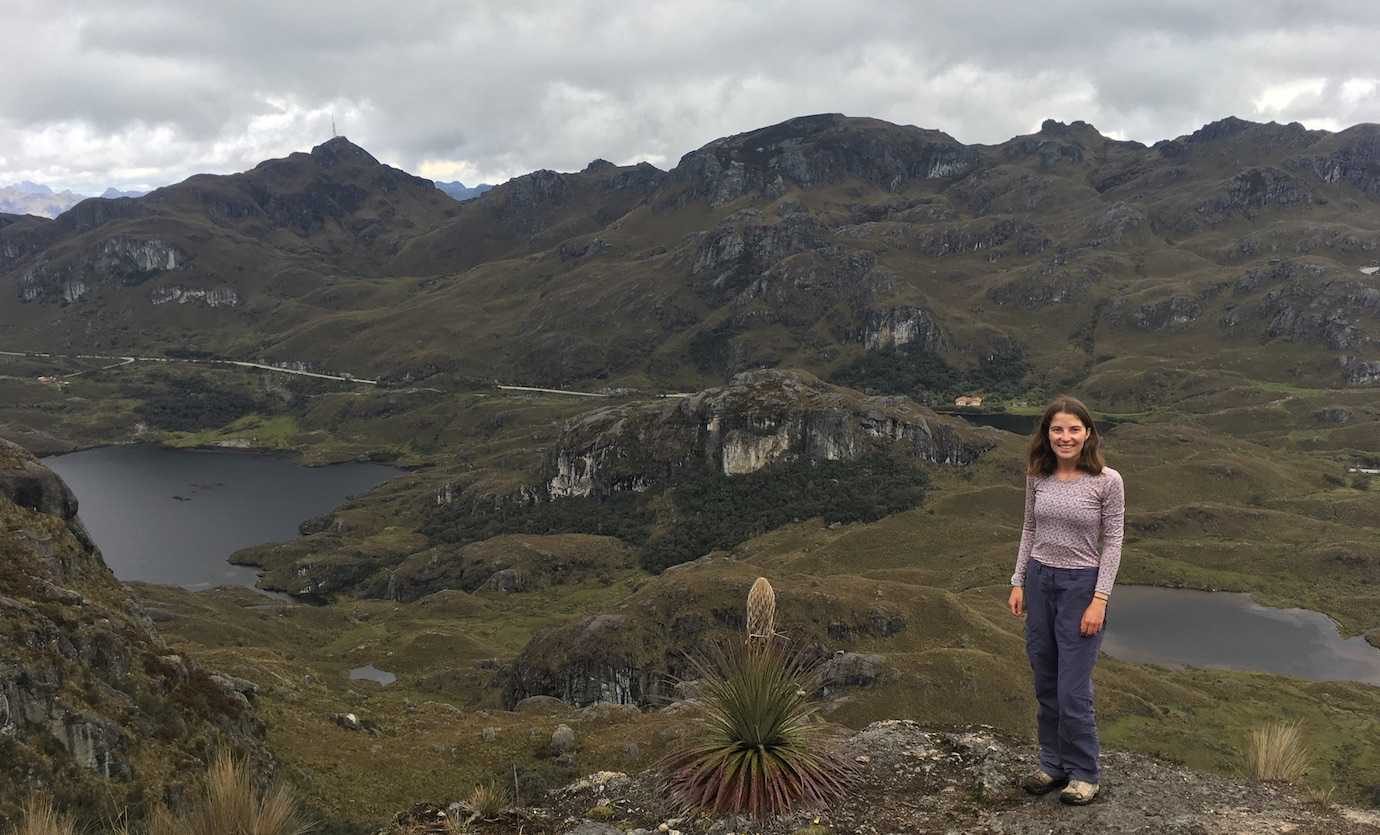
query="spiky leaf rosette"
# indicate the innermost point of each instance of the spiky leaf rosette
(761, 752)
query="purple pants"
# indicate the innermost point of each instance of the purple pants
(1062, 660)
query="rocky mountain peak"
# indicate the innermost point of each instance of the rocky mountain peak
(338, 150)
(1078, 127)
(816, 150)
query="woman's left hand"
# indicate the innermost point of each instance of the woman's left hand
(1093, 617)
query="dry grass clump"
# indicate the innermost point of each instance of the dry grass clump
(1321, 798)
(230, 804)
(1277, 751)
(487, 802)
(40, 818)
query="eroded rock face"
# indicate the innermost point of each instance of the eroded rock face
(1306, 303)
(904, 326)
(1355, 160)
(32, 486)
(87, 688)
(1359, 372)
(207, 297)
(119, 260)
(760, 418)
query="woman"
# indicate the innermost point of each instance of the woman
(1070, 550)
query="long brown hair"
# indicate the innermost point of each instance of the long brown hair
(1041, 460)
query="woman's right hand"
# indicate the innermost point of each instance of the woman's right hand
(1016, 603)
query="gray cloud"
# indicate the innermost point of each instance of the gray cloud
(144, 92)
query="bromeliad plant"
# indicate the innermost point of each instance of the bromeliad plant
(761, 752)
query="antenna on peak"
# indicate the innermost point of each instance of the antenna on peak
(334, 134)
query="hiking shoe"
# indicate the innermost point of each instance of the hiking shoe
(1079, 793)
(1038, 782)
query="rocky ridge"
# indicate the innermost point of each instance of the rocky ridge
(760, 418)
(93, 704)
(788, 245)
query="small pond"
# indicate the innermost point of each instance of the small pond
(1220, 629)
(371, 673)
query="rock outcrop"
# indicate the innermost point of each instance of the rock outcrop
(92, 703)
(760, 418)
(1304, 302)
(966, 779)
(818, 150)
(905, 325)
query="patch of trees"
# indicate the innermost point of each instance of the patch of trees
(709, 512)
(624, 516)
(190, 404)
(925, 376)
(717, 512)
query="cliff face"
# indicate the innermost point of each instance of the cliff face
(92, 703)
(760, 418)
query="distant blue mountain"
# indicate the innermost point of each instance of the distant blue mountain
(112, 193)
(27, 187)
(460, 191)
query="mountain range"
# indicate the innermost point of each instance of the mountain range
(815, 243)
(460, 191)
(27, 198)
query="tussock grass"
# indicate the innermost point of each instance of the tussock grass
(487, 801)
(1277, 751)
(40, 818)
(230, 804)
(1321, 798)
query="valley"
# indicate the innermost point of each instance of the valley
(812, 293)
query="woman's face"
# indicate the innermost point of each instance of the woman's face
(1067, 434)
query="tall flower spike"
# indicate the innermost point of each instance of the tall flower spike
(761, 610)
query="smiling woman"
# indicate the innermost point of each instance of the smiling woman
(1069, 554)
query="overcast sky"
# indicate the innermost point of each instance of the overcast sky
(137, 93)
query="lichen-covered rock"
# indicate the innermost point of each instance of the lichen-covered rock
(851, 669)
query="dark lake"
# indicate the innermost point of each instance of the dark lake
(174, 516)
(1219, 629)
